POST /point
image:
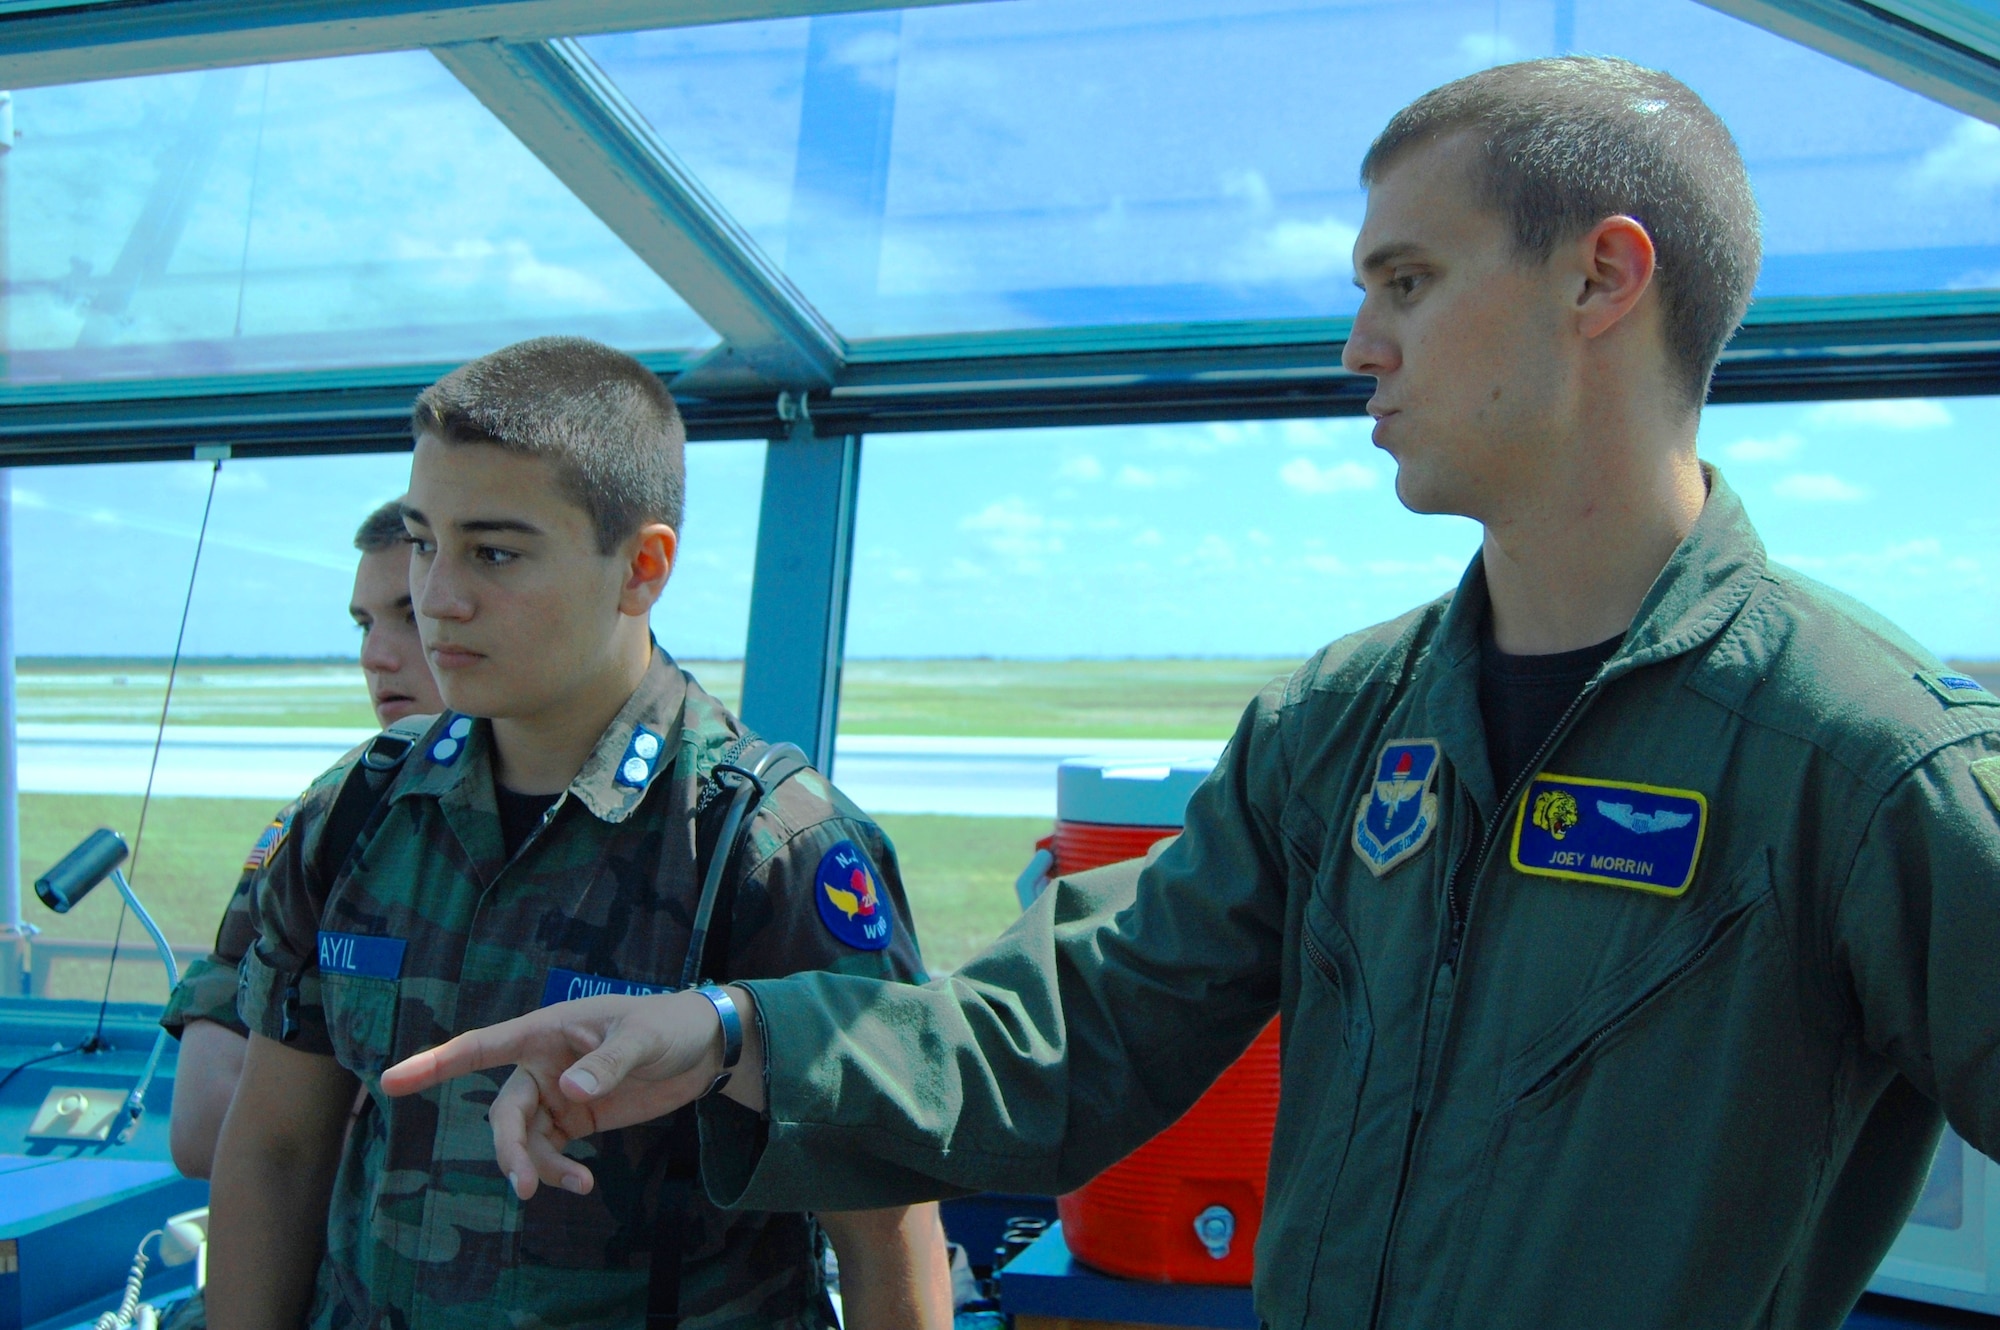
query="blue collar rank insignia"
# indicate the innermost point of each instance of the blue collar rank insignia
(642, 755)
(1400, 810)
(452, 742)
(1615, 832)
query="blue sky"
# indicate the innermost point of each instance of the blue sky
(1030, 163)
(1265, 538)
(1045, 163)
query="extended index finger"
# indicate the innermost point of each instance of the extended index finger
(476, 1050)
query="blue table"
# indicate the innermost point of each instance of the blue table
(72, 1212)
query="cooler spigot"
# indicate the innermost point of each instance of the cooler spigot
(1216, 1229)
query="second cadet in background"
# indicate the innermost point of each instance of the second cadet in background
(202, 1011)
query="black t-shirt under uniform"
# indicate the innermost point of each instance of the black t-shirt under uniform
(1522, 697)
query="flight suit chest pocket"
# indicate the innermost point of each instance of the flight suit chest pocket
(360, 977)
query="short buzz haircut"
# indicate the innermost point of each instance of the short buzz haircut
(1567, 142)
(605, 422)
(382, 529)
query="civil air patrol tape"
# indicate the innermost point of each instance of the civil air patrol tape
(1622, 834)
(361, 955)
(569, 985)
(850, 898)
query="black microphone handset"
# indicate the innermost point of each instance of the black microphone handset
(81, 869)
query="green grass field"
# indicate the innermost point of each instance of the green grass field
(1162, 699)
(959, 872)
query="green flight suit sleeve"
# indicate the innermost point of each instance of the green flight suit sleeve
(1917, 934)
(1089, 1025)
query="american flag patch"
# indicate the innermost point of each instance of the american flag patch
(267, 843)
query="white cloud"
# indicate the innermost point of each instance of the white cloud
(468, 262)
(1296, 251)
(1147, 478)
(1905, 413)
(1967, 161)
(1007, 517)
(1015, 533)
(1081, 467)
(336, 558)
(1330, 564)
(1250, 188)
(871, 58)
(1437, 566)
(1258, 538)
(1481, 49)
(1818, 487)
(1306, 477)
(1920, 558)
(1777, 448)
(1150, 538)
(1346, 430)
(1215, 551)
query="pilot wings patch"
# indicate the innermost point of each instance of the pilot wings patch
(1621, 834)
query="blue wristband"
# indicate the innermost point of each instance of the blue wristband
(732, 1033)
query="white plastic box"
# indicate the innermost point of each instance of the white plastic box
(1949, 1252)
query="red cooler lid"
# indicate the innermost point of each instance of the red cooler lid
(1122, 792)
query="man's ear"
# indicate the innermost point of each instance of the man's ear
(649, 565)
(1618, 264)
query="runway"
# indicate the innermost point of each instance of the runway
(984, 777)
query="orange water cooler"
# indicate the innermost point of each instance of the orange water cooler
(1184, 1207)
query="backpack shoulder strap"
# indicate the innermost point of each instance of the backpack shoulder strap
(750, 770)
(731, 794)
(360, 797)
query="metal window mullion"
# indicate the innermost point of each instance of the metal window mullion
(798, 600)
(570, 114)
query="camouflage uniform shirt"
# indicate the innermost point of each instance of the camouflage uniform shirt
(207, 990)
(427, 930)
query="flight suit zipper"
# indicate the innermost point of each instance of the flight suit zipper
(1459, 910)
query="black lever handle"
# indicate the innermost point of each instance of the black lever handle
(81, 869)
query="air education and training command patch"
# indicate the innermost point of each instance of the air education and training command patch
(850, 898)
(1624, 835)
(1400, 811)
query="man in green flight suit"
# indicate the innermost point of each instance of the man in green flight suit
(549, 835)
(1633, 913)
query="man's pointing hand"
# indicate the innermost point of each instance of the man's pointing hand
(588, 1066)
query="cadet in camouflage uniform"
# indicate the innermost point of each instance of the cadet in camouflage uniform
(429, 929)
(202, 1011)
(467, 897)
(1636, 1000)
